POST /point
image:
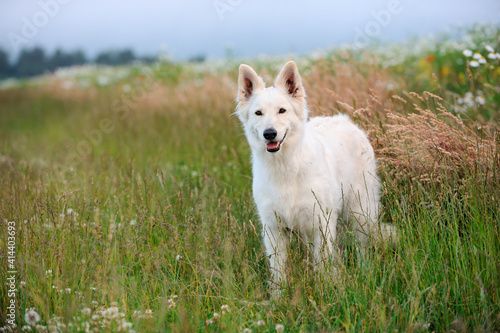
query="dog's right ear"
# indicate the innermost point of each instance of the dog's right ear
(248, 83)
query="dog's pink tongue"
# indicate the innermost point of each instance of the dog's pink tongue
(272, 145)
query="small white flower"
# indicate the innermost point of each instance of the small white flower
(209, 321)
(480, 100)
(22, 283)
(216, 316)
(26, 328)
(492, 55)
(489, 48)
(477, 56)
(171, 303)
(247, 330)
(280, 328)
(474, 63)
(32, 317)
(261, 323)
(482, 61)
(133, 222)
(467, 53)
(225, 309)
(48, 273)
(86, 311)
(178, 257)
(67, 290)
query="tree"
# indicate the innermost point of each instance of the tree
(5, 67)
(63, 59)
(114, 57)
(31, 62)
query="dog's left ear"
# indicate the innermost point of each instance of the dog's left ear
(289, 79)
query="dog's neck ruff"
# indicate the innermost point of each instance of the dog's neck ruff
(282, 163)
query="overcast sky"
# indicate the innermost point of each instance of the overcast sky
(209, 27)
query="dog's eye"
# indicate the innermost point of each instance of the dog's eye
(282, 110)
(258, 113)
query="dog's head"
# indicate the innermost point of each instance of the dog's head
(275, 114)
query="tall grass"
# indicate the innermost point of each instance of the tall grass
(153, 227)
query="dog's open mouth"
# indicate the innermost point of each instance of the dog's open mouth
(274, 146)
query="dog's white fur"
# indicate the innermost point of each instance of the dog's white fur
(324, 169)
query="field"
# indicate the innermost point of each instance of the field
(129, 190)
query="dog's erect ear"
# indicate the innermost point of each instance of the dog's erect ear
(248, 83)
(289, 79)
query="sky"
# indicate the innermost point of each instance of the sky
(248, 28)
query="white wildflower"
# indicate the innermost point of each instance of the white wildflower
(261, 323)
(48, 273)
(67, 290)
(32, 317)
(489, 48)
(225, 309)
(480, 100)
(467, 53)
(492, 55)
(247, 330)
(171, 302)
(111, 313)
(474, 63)
(86, 311)
(178, 257)
(216, 316)
(482, 61)
(280, 328)
(123, 326)
(209, 321)
(477, 56)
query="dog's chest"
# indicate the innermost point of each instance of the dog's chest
(294, 201)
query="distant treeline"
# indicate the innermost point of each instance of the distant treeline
(36, 61)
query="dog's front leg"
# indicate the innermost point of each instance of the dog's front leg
(323, 241)
(276, 241)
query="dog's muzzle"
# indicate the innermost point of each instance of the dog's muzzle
(273, 146)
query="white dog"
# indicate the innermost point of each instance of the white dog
(306, 172)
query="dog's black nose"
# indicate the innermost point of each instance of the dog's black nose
(270, 133)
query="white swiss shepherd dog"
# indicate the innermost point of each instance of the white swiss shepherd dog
(307, 173)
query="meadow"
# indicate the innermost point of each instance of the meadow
(130, 193)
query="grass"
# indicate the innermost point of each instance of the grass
(129, 200)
